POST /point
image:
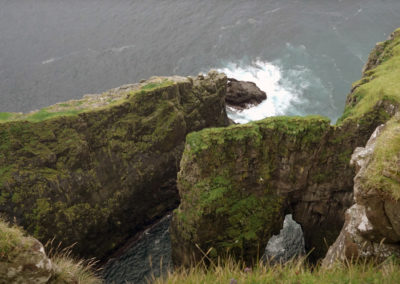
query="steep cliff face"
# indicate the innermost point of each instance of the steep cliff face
(97, 170)
(372, 227)
(237, 183)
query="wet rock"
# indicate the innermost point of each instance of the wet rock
(148, 257)
(241, 94)
(287, 245)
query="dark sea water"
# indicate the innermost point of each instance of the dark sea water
(304, 53)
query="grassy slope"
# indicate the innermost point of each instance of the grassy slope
(293, 272)
(379, 83)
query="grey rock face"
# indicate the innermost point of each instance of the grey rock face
(287, 245)
(368, 230)
(149, 257)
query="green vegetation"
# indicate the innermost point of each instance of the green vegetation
(45, 114)
(76, 107)
(383, 171)
(293, 272)
(285, 125)
(10, 242)
(229, 198)
(378, 85)
(70, 270)
(155, 85)
(71, 172)
(5, 116)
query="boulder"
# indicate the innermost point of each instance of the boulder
(22, 259)
(241, 94)
(288, 245)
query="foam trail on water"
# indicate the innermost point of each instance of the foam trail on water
(268, 78)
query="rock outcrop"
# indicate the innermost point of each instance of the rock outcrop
(22, 258)
(237, 183)
(98, 170)
(146, 258)
(288, 245)
(372, 227)
(241, 94)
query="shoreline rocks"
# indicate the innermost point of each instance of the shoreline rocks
(242, 94)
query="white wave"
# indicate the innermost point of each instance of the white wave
(122, 48)
(51, 60)
(267, 77)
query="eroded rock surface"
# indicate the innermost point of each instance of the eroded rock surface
(288, 245)
(241, 94)
(371, 229)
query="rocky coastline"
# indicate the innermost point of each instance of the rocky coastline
(100, 171)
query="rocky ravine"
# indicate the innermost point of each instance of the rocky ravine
(237, 183)
(97, 170)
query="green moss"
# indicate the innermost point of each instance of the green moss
(383, 172)
(228, 179)
(71, 173)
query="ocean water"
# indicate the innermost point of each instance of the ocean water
(304, 53)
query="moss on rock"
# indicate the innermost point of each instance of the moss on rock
(103, 172)
(289, 165)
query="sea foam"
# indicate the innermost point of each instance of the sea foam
(268, 77)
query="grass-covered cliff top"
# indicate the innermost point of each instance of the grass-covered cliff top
(92, 102)
(294, 125)
(380, 82)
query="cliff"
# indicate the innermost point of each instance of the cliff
(237, 183)
(96, 171)
(372, 227)
(371, 230)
